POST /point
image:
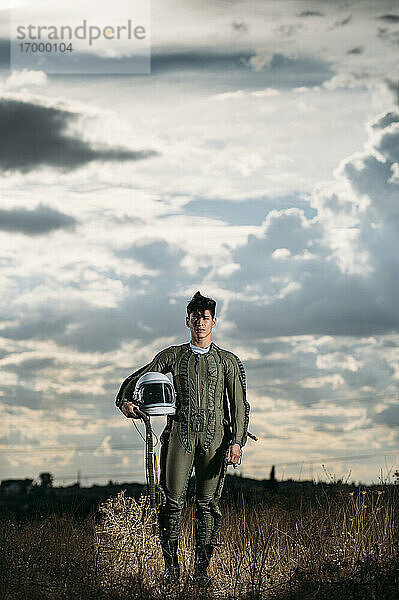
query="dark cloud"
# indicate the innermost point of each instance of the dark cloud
(356, 50)
(163, 61)
(239, 26)
(157, 255)
(39, 221)
(327, 302)
(264, 371)
(27, 368)
(311, 13)
(36, 136)
(389, 416)
(344, 21)
(392, 37)
(238, 70)
(21, 395)
(41, 326)
(390, 18)
(143, 315)
(389, 344)
(393, 86)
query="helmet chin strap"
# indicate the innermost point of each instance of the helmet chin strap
(149, 458)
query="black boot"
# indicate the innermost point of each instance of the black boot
(203, 553)
(172, 570)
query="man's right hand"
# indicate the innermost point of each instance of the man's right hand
(129, 410)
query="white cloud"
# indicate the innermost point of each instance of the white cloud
(338, 360)
(230, 95)
(281, 253)
(24, 79)
(266, 93)
(104, 448)
(239, 94)
(335, 381)
(226, 270)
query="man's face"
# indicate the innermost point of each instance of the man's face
(201, 324)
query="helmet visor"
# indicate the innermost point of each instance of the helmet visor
(156, 393)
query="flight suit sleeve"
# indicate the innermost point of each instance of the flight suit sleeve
(237, 395)
(161, 363)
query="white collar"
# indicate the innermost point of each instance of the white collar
(199, 350)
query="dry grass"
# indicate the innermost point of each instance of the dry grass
(343, 546)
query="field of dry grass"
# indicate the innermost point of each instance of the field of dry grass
(335, 546)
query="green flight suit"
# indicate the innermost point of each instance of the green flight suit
(212, 412)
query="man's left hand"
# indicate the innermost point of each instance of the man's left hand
(233, 455)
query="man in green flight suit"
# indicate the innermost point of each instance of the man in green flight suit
(207, 432)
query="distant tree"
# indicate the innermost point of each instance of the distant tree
(273, 482)
(46, 480)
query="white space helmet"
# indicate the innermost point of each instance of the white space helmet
(155, 394)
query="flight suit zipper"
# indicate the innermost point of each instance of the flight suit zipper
(197, 370)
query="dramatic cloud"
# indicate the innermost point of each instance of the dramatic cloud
(38, 221)
(390, 18)
(386, 35)
(40, 326)
(155, 255)
(264, 67)
(344, 21)
(35, 136)
(239, 26)
(356, 50)
(333, 274)
(311, 13)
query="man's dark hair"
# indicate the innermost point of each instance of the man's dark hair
(200, 303)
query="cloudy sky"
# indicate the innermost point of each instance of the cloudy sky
(257, 162)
